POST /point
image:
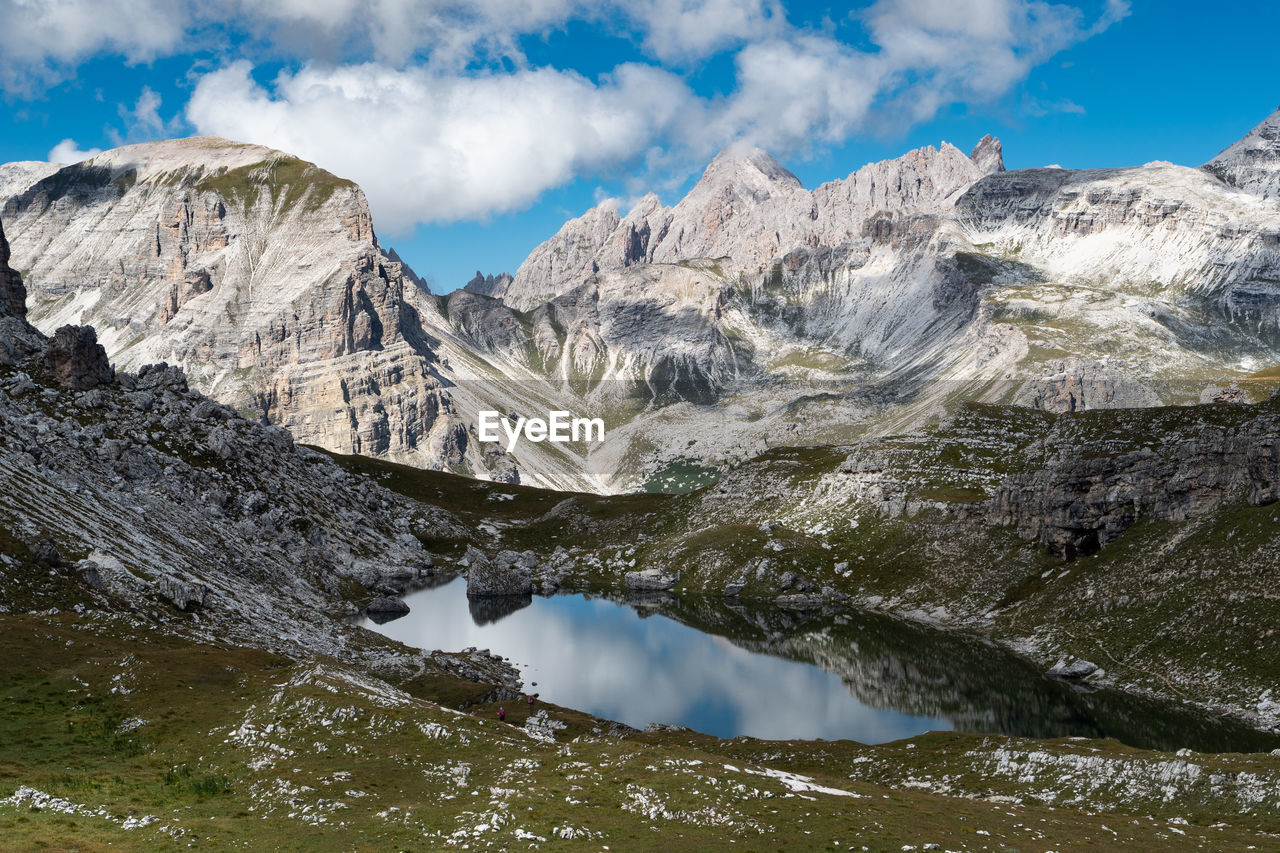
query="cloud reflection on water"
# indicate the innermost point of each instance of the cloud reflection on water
(605, 658)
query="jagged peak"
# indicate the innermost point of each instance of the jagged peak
(745, 165)
(1253, 163)
(644, 208)
(492, 285)
(604, 211)
(988, 154)
(1266, 136)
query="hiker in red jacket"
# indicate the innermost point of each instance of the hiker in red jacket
(502, 714)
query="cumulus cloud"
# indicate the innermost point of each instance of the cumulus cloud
(42, 40)
(937, 52)
(433, 108)
(431, 148)
(430, 145)
(67, 151)
(681, 30)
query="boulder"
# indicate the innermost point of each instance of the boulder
(76, 359)
(89, 572)
(650, 580)
(47, 552)
(184, 595)
(506, 573)
(161, 376)
(385, 609)
(387, 604)
(1076, 670)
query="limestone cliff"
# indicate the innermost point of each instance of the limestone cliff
(258, 273)
(749, 208)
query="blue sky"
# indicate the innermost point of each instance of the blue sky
(477, 128)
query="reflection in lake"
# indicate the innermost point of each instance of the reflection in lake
(728, 670)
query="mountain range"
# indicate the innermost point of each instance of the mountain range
(929, 399)
(752, 313)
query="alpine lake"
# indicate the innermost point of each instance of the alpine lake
(729, 669)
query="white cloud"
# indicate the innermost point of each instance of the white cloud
(680, 30)
(42, 40)
(430, 148)
(429, 144)
(797, 91)
(143, 122)
(937, 52)
(67, 151)
(436, 128)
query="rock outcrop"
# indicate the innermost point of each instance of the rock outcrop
(1074, 385)
(77, 360)
(1253, 163)
(1083, 500)
(507, 573)
(17, 338)
(13, 296)
(490, 285)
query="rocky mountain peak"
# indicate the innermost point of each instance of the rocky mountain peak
(1253, 163)
(177, 155)
(256, 272)
(988, 154)
(744, 167)
(489, 285)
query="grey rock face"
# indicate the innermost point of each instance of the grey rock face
(77, 360)
(1082, 500)
(506, 573)
(13, 296)
(256, 273)
(490, 285)
(1253, 163)
(988, 154)
(650, 580)
(17, 338)
(184, 595)
(1074, 385)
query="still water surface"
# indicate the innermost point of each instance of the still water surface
(769, 673)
